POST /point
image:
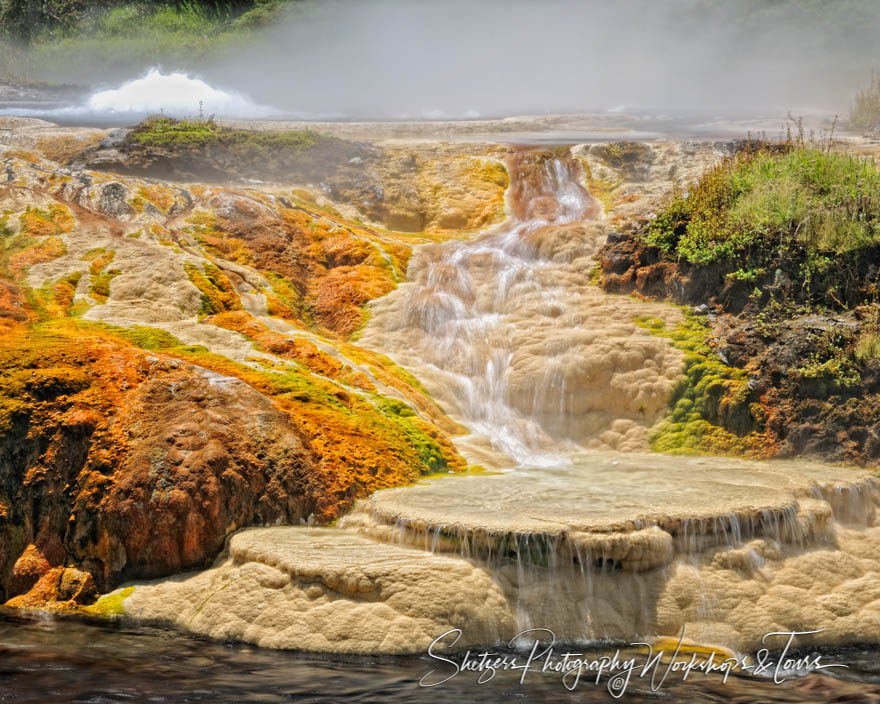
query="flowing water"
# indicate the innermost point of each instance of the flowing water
(513, 338)
(53, 659)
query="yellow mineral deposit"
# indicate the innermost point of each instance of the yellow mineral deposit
(582, 531)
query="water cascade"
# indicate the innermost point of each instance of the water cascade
(553, 379)
(509, 333)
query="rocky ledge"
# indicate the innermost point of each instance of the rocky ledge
(611, 546)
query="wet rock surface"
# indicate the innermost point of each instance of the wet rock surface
(614, 545)
(175, 367)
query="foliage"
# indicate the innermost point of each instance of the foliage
(52, 19)
(60, 40)
(765, 216)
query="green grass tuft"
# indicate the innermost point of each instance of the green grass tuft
(799, 213)
(168, 132)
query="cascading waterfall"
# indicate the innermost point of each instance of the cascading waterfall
(553, 379)
(510, 335)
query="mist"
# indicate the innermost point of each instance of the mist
(458, 59)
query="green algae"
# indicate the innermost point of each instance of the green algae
(431, 454)
(712, 409)
(216, 290)
(110, 604)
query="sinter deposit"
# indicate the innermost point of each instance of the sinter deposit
(616, 547)
(553, 379)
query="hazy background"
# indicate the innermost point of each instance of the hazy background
(412, 58)
(489, 58)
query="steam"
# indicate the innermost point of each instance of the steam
(457, 58)
(174, 94)
(494, 58)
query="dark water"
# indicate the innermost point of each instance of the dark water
(66, 659)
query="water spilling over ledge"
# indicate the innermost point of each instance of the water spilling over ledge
(511, 336)
(553, 378)
(613, 548)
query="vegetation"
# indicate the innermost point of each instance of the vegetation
(217, 292)
(712, 408)
(110, 604)
(65, 19)
(802, 219)
(865, 110)
(197, 134)
(65, 38)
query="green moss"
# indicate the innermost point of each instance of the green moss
(93, 254)
(217, 292)
(430, 452)
(11, 245)
(291, 297)
(110, 604)
(149, 338)
(100, 287)
(711, 406)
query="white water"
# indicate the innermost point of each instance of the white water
(173, 94)
(510, 335)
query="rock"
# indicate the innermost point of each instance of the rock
(138, 440)
(663, 544)
(328, 590)
(30, 566)
(59, 588)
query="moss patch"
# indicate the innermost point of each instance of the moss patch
(712, 408)
(110, 604)
(217, 292)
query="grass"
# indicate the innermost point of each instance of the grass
(868, 346)
(799, 213)
(197, 134)
(865, 110)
